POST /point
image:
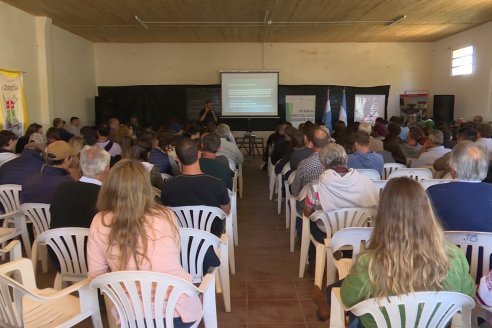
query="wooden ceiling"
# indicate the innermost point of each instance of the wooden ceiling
(261, 20)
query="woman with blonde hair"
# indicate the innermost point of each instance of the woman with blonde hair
(132, 232)
(407, 251)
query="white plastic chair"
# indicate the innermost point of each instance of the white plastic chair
(416, 174)
(39, 215)
(294, 215)
(288, 209)
(332, 221)
(240, 177)
(356, 238)
(430, 182)
(166, 176)
(271, 177)
(140, 297)
(389, 168)
(13, 249)
(69, 246)
(422, 309)
(279, 186)
(370, 173)
(201, 217)
(25, 306)
(380, 184)
(9, 198)
(233, 214)
(479, 247)
(194, 245)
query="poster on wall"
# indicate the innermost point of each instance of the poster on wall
(13, 115)
(299, 109)
(413, 106)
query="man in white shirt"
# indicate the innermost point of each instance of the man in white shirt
(104, 142)
(431, 150)
(74, 127)
(227, 148)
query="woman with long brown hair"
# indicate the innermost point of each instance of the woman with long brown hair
(407, 251)
(132, 232)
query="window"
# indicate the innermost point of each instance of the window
(462, 63)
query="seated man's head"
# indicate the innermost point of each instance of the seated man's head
(102, 130)
(113, 122)
(59, 154)
(469, 134)
(94, 162)
(435, 138)
(8, 140)
(210, 143)
(484, 130)
(317, 138)
(332, 155)
(75, 121)
(58, 123)
(223, 130)
(361, 142)
(414, 135)
(469, 162)
(187, 151)
(394, 129)
(365, 127)
(478, 119)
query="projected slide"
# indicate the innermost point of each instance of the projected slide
(369, 107)
(249, 94)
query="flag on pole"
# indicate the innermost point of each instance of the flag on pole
(327, 114)
(343, 109)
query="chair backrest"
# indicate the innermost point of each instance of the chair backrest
(477, 247)
(39, 214)
(165, 176)
(416, 174)
(389, 168)
(156, 193)
(12, 292)
(69, 245)
(9, 197)
(198, 217)
(380, 184)
(194, 245)
(430, 182)
(344, 218)
(370, 173)
(143, 298)
(285, 169)
(421, 309)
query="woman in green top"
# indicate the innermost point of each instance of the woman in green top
(407, 251)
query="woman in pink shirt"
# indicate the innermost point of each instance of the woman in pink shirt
(132, 232)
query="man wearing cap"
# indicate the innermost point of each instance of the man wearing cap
(30, 161)
(40, 187)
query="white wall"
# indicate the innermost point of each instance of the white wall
(18, 52)
(473, 93)
(404, 66)
(59, 78)
(74, 79)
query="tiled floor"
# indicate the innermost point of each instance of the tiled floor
(266, 291)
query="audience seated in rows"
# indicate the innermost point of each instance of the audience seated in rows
(412, 148)
(442, 163)
(408, 252)
(132, 232)
(228, 148)
(431, 150)
(362, 158)
(465, 204)
(40, 186)
(209, 164)
(300, 147)
(484, 134)
(375, 145)
(24, 140)
(8, 140)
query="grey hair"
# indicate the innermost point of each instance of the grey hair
(332, 155)
(93, 161)
(469, 161)
(436, 137)
(223, 130)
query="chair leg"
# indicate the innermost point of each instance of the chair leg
(218, 286)
(209, 309)
(279, 193)
(320, 264)
(232, 261)
(331, 271)
(337, 311)
(109, 305)
(304, 246)
(240, 180)
(26, 241)
(58, 281)
(43, 256)
(226, 286)
(287, 211)
(293, 216)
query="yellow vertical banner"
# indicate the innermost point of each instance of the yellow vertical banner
(13, 112)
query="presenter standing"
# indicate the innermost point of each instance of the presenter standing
(207, 114)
